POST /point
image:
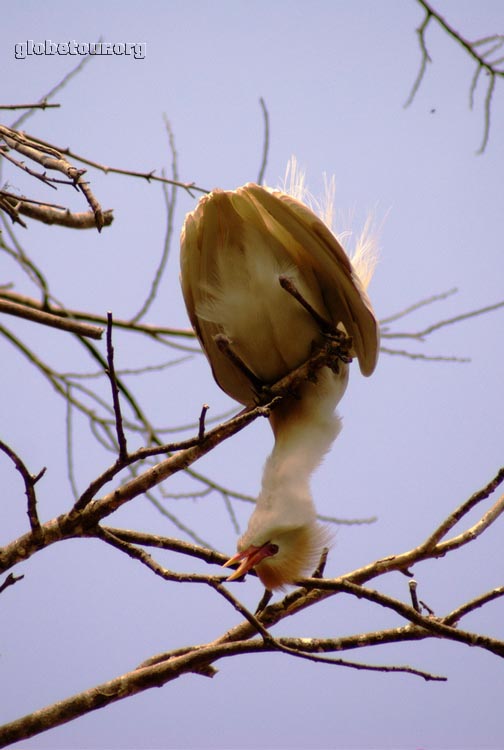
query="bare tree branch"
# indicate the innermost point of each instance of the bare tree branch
(40, 105)
(482, 51)
(47, 214)
(155, 332)
(48, 319)
(59, 86)
(150, 176)
(479, 601)
(264, 159)
(30, 480)
(121, 438)
(124, 420)
(50, 159)
(421, 335)
(10, 581)
(170, 203)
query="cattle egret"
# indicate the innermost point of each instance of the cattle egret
(263, 274)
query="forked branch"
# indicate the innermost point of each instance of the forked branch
(485, 52)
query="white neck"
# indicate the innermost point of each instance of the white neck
(304, 430)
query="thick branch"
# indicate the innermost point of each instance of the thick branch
(81, 519)
(196, 659)
(47, 214)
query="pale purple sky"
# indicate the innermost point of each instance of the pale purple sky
(418, 437)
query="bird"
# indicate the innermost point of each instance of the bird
(264, 279)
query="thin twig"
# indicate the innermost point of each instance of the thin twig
(25, 263)
(457, 614)
(416, 306)
(231, 513)
(482, 60)
(201, 421)
(58, 87)
(423, 63)
(141, 556)
(470, 47)
(208, 555)
(463, 510)
(70, 443)
(473, 532)
(424, 357)
(421, 335)
(170, 203)
(30, 481)
(40, 105)
(121, 438)
(151, 176)
(10, 581)
(487, 109)
(150, 330)
(177, 523)
(264, 158)
(48, 319)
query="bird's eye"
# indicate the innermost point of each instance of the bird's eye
(272, 549)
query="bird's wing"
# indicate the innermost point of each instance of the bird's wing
(212, 254)
(234, 246)
(311, 244)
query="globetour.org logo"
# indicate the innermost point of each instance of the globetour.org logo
(22, 50)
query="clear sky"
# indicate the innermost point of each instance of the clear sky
(419, 437)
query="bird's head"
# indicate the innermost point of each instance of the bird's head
(285, 557)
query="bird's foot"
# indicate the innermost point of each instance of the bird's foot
(334, 350)
(338, 347)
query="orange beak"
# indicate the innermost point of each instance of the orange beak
(249, 558)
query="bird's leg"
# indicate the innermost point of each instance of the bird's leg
(319, 570)
(289, 286)
(338, 345)
(264, 601)
(265, 392)
(224, 345)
